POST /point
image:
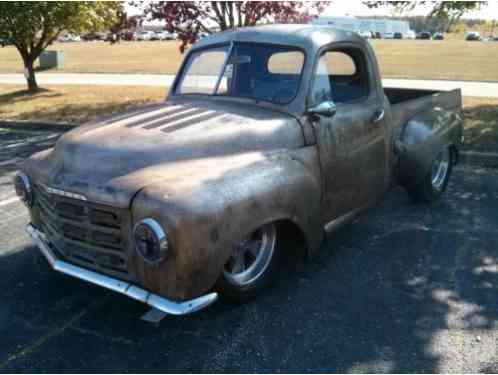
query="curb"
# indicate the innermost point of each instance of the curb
(479, 158)
(30, 125)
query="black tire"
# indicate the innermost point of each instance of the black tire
(430, 191)
(239, 292)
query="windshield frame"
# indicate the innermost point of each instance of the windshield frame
(231, 44)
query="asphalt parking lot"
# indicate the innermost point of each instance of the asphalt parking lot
(405, 288)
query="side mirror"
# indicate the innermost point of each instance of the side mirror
(325, 109)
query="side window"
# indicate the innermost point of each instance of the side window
(340, 63)
(286, 63)
(341, 76)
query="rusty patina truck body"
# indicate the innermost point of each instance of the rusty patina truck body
(267, 132)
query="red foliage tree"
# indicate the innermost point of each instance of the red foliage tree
(190, 19)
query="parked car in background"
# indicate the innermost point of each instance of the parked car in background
(424, 35)
(94, 36)
(128, 36)
(377, 34)
(145, 35)
(270, 136)
(5, 42)
(438, 36)
(68, 38)
(410, 34)
(163, 35)
(473, 36)
(388, 35)
(366, 34)
(398, 35)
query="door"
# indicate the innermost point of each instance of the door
(351, 142)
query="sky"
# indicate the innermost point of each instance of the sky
(357, 8)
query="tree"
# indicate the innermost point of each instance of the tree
(191, 19)
(32, 26)
(448, 11)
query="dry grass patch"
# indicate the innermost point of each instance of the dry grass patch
(481, 123)
(449, 59)
(77, 104)
(100, 57)
(417, 59)
(73, 104)
(432, 59)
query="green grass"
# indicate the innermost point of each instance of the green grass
(417, 59)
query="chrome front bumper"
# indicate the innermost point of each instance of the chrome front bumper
(130, 290)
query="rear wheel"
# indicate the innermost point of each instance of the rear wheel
(251, 266)
(434, 184)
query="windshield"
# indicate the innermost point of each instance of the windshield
(257, 71)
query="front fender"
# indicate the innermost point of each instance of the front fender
(423, 137)
(205, 213)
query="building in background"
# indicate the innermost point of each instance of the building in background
(386, 27)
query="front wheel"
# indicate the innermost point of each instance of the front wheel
(251, 266)
(436, 181)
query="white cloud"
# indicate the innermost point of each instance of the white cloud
(357, 8)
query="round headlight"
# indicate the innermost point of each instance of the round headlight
(150, 241)
(23, 189)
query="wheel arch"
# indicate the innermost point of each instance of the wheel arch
(422, 138)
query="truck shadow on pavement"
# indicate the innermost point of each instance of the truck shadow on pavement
(15, 146)
(403, 289)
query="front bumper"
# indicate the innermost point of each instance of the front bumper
(130, 290)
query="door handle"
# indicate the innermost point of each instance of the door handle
(378, 116)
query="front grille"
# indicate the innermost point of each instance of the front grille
(85, 233)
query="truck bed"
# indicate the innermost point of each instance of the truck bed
(406, 103)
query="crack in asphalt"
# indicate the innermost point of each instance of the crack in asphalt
(28, 349)
(116, 339)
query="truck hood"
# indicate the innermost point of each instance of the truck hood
(110, 160)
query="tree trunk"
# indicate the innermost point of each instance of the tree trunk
(29, 73)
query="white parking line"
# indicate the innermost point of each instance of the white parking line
(31, 140)
(8, 201)
(10, 161)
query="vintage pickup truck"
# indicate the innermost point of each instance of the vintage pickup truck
(269, 134)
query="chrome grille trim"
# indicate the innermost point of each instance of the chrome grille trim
(84, 233)
(63, 193)
(128, 289)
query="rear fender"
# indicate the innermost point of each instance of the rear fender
(423, 137)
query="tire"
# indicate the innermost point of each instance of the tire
(436, 181)
(251, 266)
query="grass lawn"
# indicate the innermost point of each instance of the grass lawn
(73, 104)
(481, 123)
(418, 59)
(77, 104)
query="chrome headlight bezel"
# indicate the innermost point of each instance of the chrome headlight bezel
(150, 241)
(24, 190)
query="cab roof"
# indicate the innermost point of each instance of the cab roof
(307, 37)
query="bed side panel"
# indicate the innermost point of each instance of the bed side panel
(422, 128)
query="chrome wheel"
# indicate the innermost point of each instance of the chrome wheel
(251, 256)
(440, 169)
